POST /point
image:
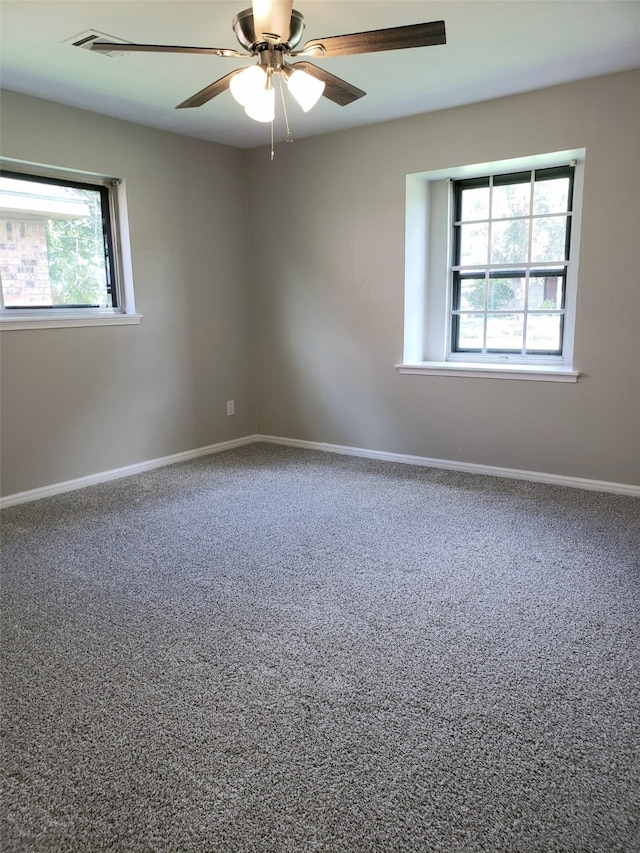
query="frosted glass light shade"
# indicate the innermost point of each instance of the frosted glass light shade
(248, 84)
(262, 106)
(305, 89)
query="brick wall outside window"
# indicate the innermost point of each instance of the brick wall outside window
(24, 263)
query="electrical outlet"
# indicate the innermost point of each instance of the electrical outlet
(231, 407)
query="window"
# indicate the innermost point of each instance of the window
(491, 268)
(61, 250)
(511, 249)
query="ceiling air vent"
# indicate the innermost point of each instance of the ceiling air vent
(85, 40)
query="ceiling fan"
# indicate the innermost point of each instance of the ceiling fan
(270, 31)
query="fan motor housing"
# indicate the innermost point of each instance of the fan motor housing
(245, 32)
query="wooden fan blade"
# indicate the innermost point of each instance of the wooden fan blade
(336, 90)
(209, 92)
(163, 48)
(272, 20)
(393, 38)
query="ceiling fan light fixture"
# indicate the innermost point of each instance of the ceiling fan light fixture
(262, 107)
(307, 90)
(248, 84)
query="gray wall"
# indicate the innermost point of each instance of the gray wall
(330, 305)
(84, 400)
(307, 348)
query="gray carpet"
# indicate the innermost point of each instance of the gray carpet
(281, 650)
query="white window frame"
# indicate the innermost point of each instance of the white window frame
(428, 258)
(51, 318)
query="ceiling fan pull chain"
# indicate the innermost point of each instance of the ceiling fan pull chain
(284, 109)
(273, 154)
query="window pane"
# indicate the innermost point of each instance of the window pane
(473, 244)
(548, 240)
(52, 245)
(475, 204)
(470, 331)
(551, 196)
(511, 200)
(510, 242)
(505, 332)
(544, 333)
(471, 294)
(546, 291)
(505, 293)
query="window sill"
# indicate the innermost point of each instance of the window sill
(65, 320)
(539, 373)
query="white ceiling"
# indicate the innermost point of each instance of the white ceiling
(494, 48)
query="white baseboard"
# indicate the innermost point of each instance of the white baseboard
(117, 473)
(448, 465)
(468, 467)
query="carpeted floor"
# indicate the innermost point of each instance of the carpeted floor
(282, 650)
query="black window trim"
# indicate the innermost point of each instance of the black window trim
(511, 270)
